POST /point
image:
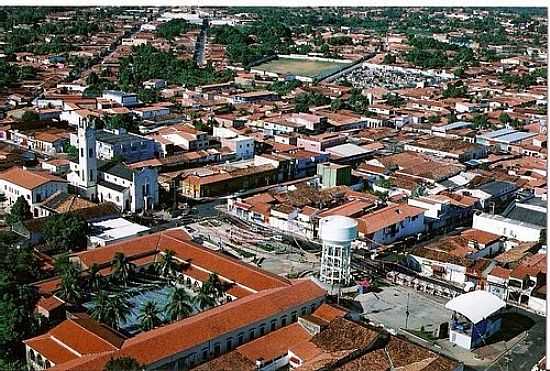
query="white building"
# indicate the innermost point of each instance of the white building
(242, 146)
(510, 228)
(33, 186)
(392, 223)
(131, 190)
(122, 98)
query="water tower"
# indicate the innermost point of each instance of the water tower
(337, 233)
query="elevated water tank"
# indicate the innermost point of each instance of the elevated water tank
(337, 233)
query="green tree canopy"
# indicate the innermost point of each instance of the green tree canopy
(179, 305)
(171, 29)
(19, 211)
(149, 316)
(66, 232)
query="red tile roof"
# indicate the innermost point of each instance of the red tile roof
(51, 350)
(274, 344)
(479, 236)
(163, 342)
(386, 217)
(28, 179)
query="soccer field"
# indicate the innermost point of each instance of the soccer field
(307, 68)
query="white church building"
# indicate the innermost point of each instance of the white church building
(131, 190)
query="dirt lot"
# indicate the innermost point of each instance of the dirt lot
(298, 67)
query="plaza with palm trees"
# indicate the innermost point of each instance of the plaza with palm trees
(133, 299)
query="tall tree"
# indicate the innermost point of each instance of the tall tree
(112, 310)
(167, 265)
(71, 289)
(179, 306)
(19, 211)
(123, 269)
(149, 316)
(205, 298)
(95, 280)
(66, 232)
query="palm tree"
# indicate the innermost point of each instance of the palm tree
(111, 309)
(70, 288)
(95, 280)
(149, 316)
(179, 305)
(122, 268)
(204, 298)
(215, 285)
(167, 265)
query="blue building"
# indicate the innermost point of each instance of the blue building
(475, 318)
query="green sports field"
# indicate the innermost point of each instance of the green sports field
(307, 68)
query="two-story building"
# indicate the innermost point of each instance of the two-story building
(34, 186)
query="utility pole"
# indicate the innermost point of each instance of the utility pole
(407, 312)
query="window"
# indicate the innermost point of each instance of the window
(241, 338)
(91, 152)
(273, 324)
(262, 329)
(217, 348)
(229, 344)
(304, 311)
(81, 152)
(283, 321)
(294, 316)
(204, 354)
(251, 334)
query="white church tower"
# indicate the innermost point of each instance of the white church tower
(86, 172)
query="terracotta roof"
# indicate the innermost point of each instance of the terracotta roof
(50, 303)
(386, 217)
(163, 342)
(500, 272)
(274, 344)
(29, 179)
(329, 312)
(480, 236)
(231, 361)
(530, 266)
(73, 338)
(350, 209)
(51, 350)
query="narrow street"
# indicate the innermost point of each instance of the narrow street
(200, 46)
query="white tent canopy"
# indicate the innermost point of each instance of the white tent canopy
(476, 305)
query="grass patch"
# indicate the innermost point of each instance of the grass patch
(423, 335)
(245, 254)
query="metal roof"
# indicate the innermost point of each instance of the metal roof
(476, 305)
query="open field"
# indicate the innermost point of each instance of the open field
(307, 68)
